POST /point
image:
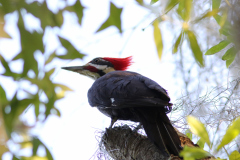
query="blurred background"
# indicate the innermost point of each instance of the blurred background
(189, 47)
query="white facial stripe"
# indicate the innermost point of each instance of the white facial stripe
(100, 67)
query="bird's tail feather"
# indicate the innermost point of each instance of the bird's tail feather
(160, 131)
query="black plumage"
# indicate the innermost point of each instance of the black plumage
(130, 96)
(125, 95)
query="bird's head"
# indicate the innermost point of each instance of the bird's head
(101, 65)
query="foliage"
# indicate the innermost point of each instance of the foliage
(33, 71)
(38, 74)
(198, 128)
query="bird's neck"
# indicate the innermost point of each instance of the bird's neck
(108, 69)
(95, 76)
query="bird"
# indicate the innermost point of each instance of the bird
(127, 95)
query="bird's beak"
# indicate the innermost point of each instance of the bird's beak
(75, 68)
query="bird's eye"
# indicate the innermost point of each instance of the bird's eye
(96, 60)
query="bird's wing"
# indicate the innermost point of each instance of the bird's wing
(129, 89)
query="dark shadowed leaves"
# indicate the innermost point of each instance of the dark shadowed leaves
(198, 55)
(114, 18)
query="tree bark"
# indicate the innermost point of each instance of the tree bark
(122, 143)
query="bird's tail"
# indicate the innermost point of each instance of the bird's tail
(161, 132)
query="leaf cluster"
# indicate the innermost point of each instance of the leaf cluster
(199, 129)
(34, 72)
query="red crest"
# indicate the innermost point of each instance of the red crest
(120, 63)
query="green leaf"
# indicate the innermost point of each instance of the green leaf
(72, 53)
(208, 14)
(176, 44)
(50, 58)
(8, 71)
(36, 144)
(188, 134)
(192, 153)
(63, 87)
(181, 10)
(50, 72)
(3, 98)
(198, 55)
(229, 62)
(188, 8)
(231, 133)
(224, 24)
(218, 47)
(201, 143)
(140, 2)
(50, 105)
(56, 112)
(17, 107)
(198, 128)
(27, 38)
(78, 9)
(216, 4)
(153, 1)
(158, 38)
(2, 24)
(230, 54)
(184, 9)
(114, 18)
(235, 155)
(7, 7)
(15, 158)
(47, 17)
(36, 105)
(171, 4)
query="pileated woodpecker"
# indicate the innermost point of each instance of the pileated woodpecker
(125, 95)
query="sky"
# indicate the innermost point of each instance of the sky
(76, 134)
